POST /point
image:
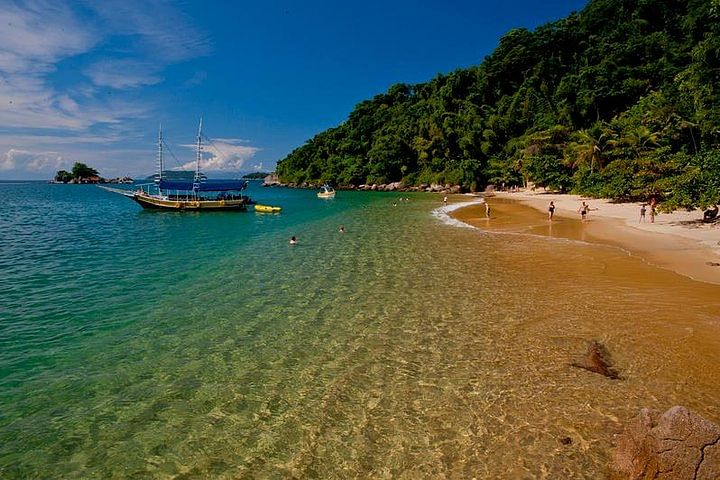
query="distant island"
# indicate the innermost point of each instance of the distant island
(619, 100)
(82, 173)
(256, 175)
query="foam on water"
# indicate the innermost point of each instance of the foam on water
(443, 213)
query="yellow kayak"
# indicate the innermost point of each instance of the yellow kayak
(267, 209)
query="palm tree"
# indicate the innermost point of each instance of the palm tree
(639, 139)
(586, 148)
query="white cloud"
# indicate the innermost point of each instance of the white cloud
(31, 161)
(67, 104)
(28, 102)
(47, 111)
(36, 35)
(33, 38)
(123, 74)
(165, 32)
(7, 162)
(222, 154)
(37, 140)
(159, 35)
(196, 79)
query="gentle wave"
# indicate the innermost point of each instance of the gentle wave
(443, 213)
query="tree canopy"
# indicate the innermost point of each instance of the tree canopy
(620, 100)
(256, 175)
(79, 171)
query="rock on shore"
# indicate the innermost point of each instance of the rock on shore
(273, 181)
(677, 445)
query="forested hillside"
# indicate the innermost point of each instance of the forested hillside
(620, 100)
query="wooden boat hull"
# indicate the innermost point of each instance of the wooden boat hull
(214, 205)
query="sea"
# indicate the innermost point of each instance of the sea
(178, 345)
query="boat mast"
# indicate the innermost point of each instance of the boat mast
(196, 184)
(160, 157)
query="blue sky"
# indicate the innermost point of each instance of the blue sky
(91, 81)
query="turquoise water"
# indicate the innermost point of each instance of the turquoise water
(115, 320)
(140, 344)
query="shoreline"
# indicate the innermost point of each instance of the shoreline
(677, 241)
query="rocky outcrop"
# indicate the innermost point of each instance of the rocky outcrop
(597, 359)
(399, 187)
(677, 445)
(271, 181)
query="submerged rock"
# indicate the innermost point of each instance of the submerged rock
(597, 359)
(678, 444)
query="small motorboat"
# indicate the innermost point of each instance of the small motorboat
(326, 191)
(267, 209)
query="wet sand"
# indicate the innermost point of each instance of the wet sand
(661, 327)
(676, 244)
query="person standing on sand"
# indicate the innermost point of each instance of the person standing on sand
(642, 213)
(584, 209)
(653, 209)
(652, 212)
(551, 210)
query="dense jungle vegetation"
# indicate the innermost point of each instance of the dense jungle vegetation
(620, 100)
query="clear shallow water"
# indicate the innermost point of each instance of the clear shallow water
(181, 345)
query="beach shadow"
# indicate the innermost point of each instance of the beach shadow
(698, 223)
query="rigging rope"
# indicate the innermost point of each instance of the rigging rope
(209, 140)
(177, 162)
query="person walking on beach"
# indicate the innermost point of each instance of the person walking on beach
(584, 209)
(487, 209)
(551, 210)
(643, 209)
(653, 203)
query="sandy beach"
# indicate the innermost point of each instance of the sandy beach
(677, 241)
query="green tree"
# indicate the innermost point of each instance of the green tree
(696, 183)
(616, 100)
(80, 170)
(63, 176)
(638, 140)
(586, 147)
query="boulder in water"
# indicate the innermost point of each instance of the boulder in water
(597, 359)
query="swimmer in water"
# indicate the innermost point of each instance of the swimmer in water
(293, 240)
